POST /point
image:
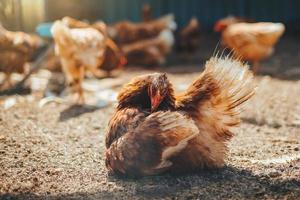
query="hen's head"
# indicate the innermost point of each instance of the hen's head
(151, 92)
(158, 89)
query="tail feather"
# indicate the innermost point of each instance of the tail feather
(235, 85)
(234, 78)
(218, 95)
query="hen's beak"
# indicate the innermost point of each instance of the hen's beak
(155, 102)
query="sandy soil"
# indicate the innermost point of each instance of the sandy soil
(56, 152)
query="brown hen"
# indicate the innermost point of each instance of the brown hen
(150, 52)
(250, 41)
(127, 32)
(153, 131)
(16, 48)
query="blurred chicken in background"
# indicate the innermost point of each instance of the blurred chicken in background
(146, 43)
(16, 49)
(151, 51)
(189, 37)
(79, 49)
(114, 57)
(250, 41)
(127, 32)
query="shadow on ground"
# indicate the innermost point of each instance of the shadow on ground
(75, 111)
(228, 183)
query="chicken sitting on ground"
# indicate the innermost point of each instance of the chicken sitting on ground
(127, 32)
(189, 37)
(250, 41)
(150, 52)
(153, 131)
(79, 49)
(16, 48)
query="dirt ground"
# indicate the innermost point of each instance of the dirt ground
(56, 152)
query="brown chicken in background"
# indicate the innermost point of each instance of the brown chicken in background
(189, 37)
(16, 49)
(82, 47)
(150, 52)
(153, 131)
(250, 41)
(127, 32)
(79, 49)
